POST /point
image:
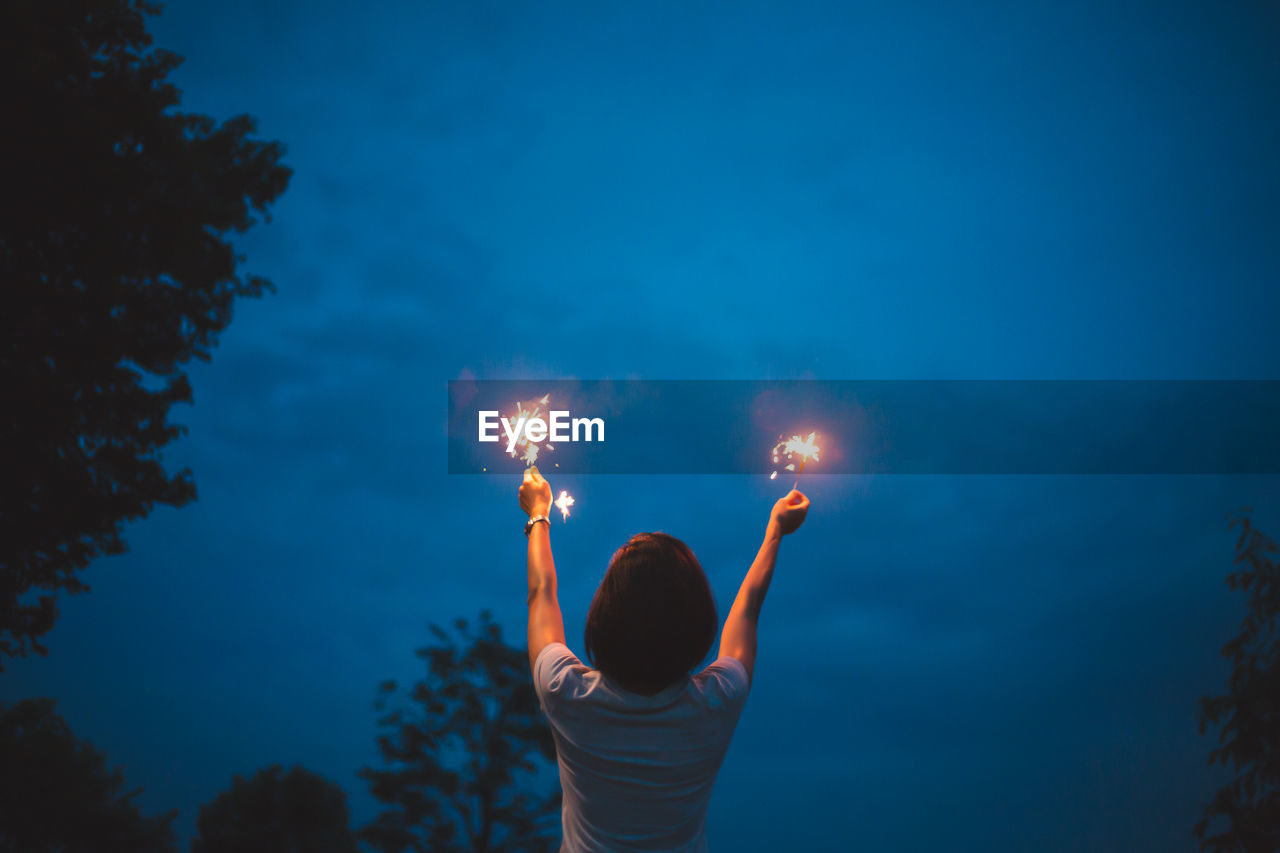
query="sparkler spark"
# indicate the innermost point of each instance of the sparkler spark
(528, 450)
(563, 503)
(792, 447)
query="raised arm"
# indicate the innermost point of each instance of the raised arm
(738, 640)
(545, 623)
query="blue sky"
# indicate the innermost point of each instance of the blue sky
(748, 190)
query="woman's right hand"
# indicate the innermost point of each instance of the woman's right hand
(788, 513)
(535, 493)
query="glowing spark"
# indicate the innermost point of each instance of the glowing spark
(525, 450)
(563, 503)
(792, 447)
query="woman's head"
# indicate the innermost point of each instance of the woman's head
(653, 619)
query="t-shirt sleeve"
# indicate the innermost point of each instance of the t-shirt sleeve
(725, 684)
(552, 671)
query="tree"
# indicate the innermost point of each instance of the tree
(1249, 712)
(118, 269)
(57, 796)
(464, 766)
(301, 812)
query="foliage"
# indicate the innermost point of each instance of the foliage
(1249, 712)
(57, 796)
(118, 268)
(301, 811)
(463, 766)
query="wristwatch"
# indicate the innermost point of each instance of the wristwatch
(528, 525)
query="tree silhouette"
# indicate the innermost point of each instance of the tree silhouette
(301, 812)
(57, 796)
(1249, 712)
(114, 246)
(464, 766)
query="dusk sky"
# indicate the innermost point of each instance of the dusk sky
(717, 191)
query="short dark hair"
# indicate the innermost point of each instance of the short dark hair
(653, 619)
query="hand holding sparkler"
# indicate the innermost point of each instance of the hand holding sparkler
(535, 493)
(788, 514)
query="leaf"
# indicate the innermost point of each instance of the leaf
(479, 736)
(1246, 715)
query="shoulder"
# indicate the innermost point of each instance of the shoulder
(555, 669)
(724, 683)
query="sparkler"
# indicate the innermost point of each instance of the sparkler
(529, 449)
(789, 448)
(563, 503)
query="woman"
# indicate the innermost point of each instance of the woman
(639, 740)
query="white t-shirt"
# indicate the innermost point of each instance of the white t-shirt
(637, 771)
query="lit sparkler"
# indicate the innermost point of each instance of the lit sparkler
(528, 450)
(790, 448)
(563, 503)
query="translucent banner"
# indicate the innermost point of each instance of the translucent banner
(864, 427)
